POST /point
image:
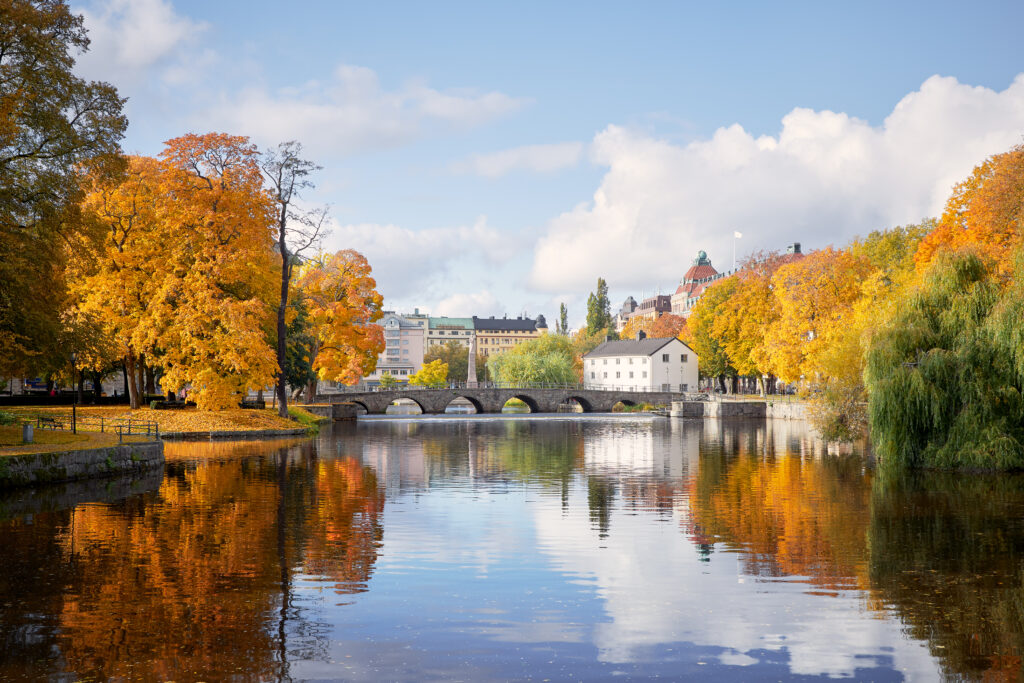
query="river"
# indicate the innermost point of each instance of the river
(497, 548)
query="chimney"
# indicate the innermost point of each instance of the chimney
(641, 335)
(607, 337)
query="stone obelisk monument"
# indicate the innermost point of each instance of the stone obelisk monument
(471, 372)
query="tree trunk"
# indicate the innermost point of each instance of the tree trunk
(131, 380)
(81, 386)
(150, 380)
(282, 391)
(97, 386)
(311, 390)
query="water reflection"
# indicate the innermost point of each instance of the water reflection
(493, 548)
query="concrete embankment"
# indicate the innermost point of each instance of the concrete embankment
(26, 469)
(749, 409)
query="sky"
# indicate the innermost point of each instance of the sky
(493, 159)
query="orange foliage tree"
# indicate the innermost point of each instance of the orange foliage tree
(184, 268)
(114, 271)
(343, 305)
(985, 211)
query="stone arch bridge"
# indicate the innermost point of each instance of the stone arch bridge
(492, 400)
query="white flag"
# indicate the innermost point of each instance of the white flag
(737, 235)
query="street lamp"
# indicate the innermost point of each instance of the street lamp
(74, 399)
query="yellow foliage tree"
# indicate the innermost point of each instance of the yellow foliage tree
(816, 296)
(432, 374)
(343, 307)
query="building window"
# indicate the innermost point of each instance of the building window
(683, 357)
(644, 360)
(605, 361)
(592, 375)
(618, 361)
(606, 375)
(664, 358)
(683, 387)
(631, 374)
(630, 361)
(645, 374)
(618, 375)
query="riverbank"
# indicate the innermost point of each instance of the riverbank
(70, 464)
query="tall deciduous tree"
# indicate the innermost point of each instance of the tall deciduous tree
(432, 374)
(298, 231)
(343, 306)
(456, 357)
(116, 273)
(53, 125)
(985, 213)
(709, 345)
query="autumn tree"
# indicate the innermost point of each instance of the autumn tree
(432, 374)
(985, 212)
(297, 231)
(54, 126)
(116, 272)
(714, 361)
(343, 306)
(667, 325)
(815, 297)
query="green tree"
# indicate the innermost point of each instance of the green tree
(54, 126)
(946, 377)
(562, 326)
(456, 357)
(387, 380)
(599, 316)
(548, 358)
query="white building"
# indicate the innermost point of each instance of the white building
(665, 364)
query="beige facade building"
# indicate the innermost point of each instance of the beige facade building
(498, 335)
(404, 341)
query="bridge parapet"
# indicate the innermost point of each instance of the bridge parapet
(492, 399)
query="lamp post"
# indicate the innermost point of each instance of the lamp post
(74, 400)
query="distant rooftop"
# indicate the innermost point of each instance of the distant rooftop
(517, 324)
(630, 347)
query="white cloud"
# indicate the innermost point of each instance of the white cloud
(129, 37)
(423, 265)
(826, 177)
(536, 158)
(351, 112)
(482, 303)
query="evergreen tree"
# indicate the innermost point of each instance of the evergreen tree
(562, 326)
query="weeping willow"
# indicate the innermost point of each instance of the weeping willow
(945, 378)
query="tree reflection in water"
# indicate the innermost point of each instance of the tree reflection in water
(196, 578)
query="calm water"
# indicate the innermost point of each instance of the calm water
(491, 549)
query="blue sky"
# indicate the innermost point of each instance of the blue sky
(494, 159)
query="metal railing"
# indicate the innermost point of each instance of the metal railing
(122, 426)
(448, 386)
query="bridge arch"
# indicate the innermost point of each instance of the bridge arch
(586, 405)
(402, 396)
(473, 400)
(530, 402)
(360, 406)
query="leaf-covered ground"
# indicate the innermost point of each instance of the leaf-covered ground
(46, 441)
(189, 420)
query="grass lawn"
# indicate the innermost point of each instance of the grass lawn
(47, 441)
(189, 420)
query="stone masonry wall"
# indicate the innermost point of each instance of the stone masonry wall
(43, 468)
